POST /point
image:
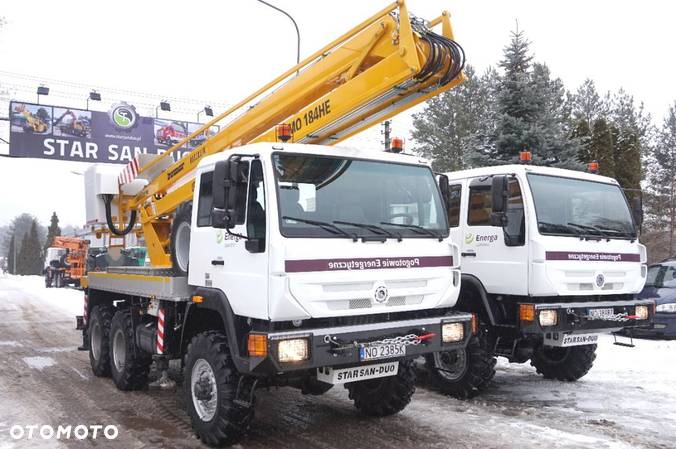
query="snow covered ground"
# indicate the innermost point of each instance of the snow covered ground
(628, 400)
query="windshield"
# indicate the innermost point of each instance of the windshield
(577, 207)
(323, 196)
(661, 276)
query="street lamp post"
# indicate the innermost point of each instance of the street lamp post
(42, 90)
(294, 24)
(164, 105)
(94, 96)
(207, 110)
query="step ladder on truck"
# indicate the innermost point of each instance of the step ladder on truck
(550, 261)
(277, 259)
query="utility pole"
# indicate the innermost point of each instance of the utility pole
(14, 261)
(386, 132)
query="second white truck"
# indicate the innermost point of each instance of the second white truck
(550, 260)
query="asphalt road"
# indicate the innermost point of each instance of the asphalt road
(44, 380)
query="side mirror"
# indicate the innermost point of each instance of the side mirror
(499, 194)
(637, 210)
(445, 190)
(225, 185)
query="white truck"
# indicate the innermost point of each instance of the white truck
(308, 266)
(550, 259)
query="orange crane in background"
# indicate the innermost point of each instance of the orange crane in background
(66, 261)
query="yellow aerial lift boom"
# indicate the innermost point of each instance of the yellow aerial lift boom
(383, 66)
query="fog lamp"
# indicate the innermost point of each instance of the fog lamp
(641, 312)
(293, 350)
(452, 332)
(548, 317)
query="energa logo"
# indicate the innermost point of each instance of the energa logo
(469, 238)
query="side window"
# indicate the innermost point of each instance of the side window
(205, 200)
(255, 223)
(455, 191)
(515, 230)
(479, 213)
(240, 202)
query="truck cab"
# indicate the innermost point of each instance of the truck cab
(550, 258)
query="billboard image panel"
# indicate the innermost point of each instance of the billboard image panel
(115, 136)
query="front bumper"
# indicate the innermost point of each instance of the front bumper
(339, 346)
(576, 317)
(663, 325)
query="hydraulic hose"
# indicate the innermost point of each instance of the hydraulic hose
(107, 200)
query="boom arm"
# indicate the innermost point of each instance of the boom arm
(385, 65)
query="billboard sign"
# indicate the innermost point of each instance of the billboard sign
(115, 136)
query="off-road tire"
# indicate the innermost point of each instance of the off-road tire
(48, 280)
(135, 364)
(231, 420)
(567, 364)
(387, 395)
(474, 376)
(101, 315)
(182, 219)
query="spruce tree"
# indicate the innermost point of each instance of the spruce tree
(515, 102)
(52, 231)
(660, 198)
(601, 148)
(11, 251)
(29, 259)
(445, 131)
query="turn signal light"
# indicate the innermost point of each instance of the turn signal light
(527, 312)
(475, 324)
(257, 344)
(284, 132)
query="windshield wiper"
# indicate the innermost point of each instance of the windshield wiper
(324, 225)
(616, 231)
(371, 227)
(415, 228)
(588, 228)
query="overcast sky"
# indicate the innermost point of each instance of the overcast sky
(218, 52)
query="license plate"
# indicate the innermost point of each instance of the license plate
(602, 313)
(579, 339)
(377, 352)
(356, 373)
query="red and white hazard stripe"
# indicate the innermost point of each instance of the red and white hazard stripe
(86, 307)
(160, 331)
(130, 172)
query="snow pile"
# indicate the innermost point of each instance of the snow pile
(67, 300)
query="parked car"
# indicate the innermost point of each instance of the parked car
(660, 286)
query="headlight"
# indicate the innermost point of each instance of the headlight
(667, 308)
(452, 332)
(641, 312)
(548, 317)
(293, 350)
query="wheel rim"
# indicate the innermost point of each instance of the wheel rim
(183, 245)
(119, 350)
(451, 365)
(204, 390)
(95, 337)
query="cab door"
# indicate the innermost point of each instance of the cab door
(221, 258)
(497, 256)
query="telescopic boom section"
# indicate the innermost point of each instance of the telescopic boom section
(383, 66)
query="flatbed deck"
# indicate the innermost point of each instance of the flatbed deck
(148, 282)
